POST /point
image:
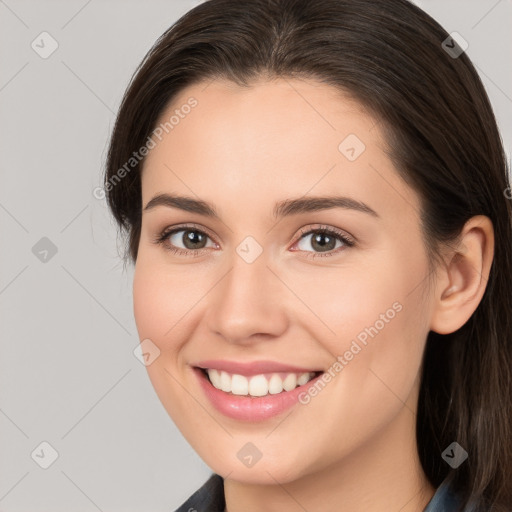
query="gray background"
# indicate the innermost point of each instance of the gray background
(68, 375)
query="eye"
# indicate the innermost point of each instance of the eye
(324, 240)
(192, 239)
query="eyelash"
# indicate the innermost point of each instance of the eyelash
(162, 239)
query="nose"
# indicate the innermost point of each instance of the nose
(249, 303)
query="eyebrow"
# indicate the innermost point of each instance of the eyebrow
(283, 208)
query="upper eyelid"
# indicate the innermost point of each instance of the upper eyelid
(192, 227)
(324, 227)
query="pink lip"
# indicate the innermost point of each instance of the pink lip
(247, 408)
(252, 368)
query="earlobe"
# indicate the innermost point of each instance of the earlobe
(461, 282)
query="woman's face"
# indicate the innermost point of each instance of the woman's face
(250, 286)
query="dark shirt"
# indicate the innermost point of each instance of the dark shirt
(210, 498)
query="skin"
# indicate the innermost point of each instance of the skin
(243, 149)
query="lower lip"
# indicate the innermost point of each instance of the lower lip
(247, 408)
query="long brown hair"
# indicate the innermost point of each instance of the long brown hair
(444, 142)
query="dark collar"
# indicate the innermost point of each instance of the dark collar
(210, 498)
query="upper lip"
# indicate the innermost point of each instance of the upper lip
(251, 368)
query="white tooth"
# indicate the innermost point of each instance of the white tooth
(275, 384)
(214, 377)
(303, 378)
(225, 382)
(290, 382)
(239, 385)
(258, 385)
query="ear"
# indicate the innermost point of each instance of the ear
(462, 280)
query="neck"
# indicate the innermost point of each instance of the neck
(384, 474)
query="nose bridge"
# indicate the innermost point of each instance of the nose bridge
(247, 299)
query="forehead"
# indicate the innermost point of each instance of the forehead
(285, 137)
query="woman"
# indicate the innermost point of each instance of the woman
(315, 200)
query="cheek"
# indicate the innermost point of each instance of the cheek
(162, 296)
(147, 296)
(343, 302)
(379, 326)
(376, 319)
(158, 307)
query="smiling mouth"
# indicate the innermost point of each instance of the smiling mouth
(259, 385)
